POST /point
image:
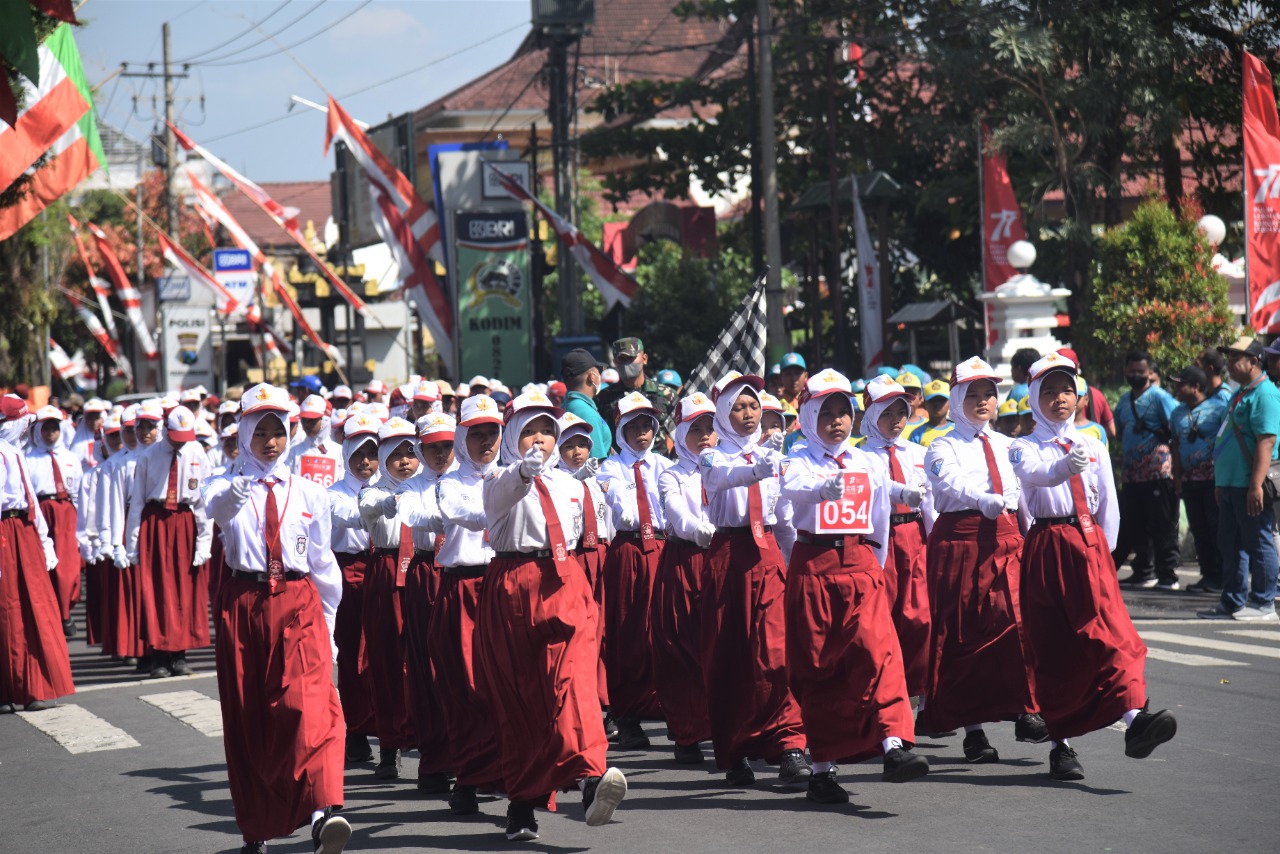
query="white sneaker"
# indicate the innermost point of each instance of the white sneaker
(1256, 614)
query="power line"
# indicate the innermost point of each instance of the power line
(265, 38)
(289, 46)
(238, 35)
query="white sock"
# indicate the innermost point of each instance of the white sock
(890, 743)
(822, 767)
(1129, 716)
(316, 816)
(1062, 743)
(974, 728)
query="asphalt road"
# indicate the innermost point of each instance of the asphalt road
(147, 774)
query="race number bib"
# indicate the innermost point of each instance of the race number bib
(850, 514)
(321, 470)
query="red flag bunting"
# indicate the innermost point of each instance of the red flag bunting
(1262, 196)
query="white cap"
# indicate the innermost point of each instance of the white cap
(96, 404)
(376, 387)
(479, 409)
(230, 431)
(313, 406)
(632, 403)
(129, 416)
(264, 398)
(478, 380)
(973, 369)
(732, 377)
(377, 410)
(396, 428)
(229, 407)
(361, 424)
(343, 391)
(531, 400)
(44, 413)
(694, 406)
(825, 382)
(1052, 362)
(150, 410)
(883, 388)
(191, 395)
(181, 424)
(436, 427)
(111, 424)
(609, 375)
(769, 403)
(426, 391)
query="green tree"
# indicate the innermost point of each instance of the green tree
(1155, 290)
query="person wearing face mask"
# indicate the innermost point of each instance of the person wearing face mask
(350, 543)
(55, 476)
(844, 664)
(281, 714)
(463, 555)
(1087, 657)
(581, 374)
(536, 638)
(35, 668)
(1148, 500)
(384, 583)
(632, 363)
(753, 714)
(977, 669)
(1196, 424)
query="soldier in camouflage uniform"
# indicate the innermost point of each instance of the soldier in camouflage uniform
(630, 359)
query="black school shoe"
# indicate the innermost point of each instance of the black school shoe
(69, 628)
(610, 728)
(329, 834)
(253, 848)
(1147, 732)
(601, 796)
(434, 784)
(521, 825)
(740, 774)
(160, 665)
(823, 789)
(793, 767)
(358, 749)
(463, 801)
(7, 708)
(977, 750)
(903, 766)
(631, 735)
(178, 664)
(39, 705)
(1063, 764)
(688, 754)
(388, 765)
(1031, 729)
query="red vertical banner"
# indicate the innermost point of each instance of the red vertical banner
(1261, 196)
(1001, 223)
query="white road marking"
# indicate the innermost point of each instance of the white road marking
(78, 730)
(106, 686)
(1260, 634)
(199, 711)
(1211, 643)
(1190, 659)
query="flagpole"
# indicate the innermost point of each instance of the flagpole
(982, 238)
(777, 335)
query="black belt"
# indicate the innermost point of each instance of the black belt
(52, 498)
(1055, 520)
(682, 541)
(904, 518)
(741, 529)
(160, 502)
(537, 554)
(464, 571)
(833, 541)
(635, 535)
(429, 554)
(265, 577)
(14, 514)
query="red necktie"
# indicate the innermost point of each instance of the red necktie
(895, 473)
(646, 516)
(26, 487)
(755, 510)
(404, 554)
(590, 532)
(555, 533)
(1081, 505)
(59, 487)
(171, 494)
(271, 531)
(997, 485)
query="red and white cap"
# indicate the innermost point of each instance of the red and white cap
(150, 410)
(732, 377)
(378, 410)
(569, 422)
(129, 417)
(191, 395)
(1051, 362)
(531, 400)
(264, 398)
(769, 403)
(882, 388)
(361, 424)
(973, 369)
(97, 404)
(376, 387)
(314, 406)
(436, 427)
(694, 406)
(229, 407)
(479, 409)
(44, 413)
(633, 403)
(203, 431)
(342, 391)
(397, 429)
(180, 425)
(295, 412)
(168, 403)
(230, 431)
(13, 407)
(111, 424)
(446, 390)
(426, 391)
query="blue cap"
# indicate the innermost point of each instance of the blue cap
(793, 360)
(500, 397)
(775, 369)
(886, 371)
(310, 382)
(670, 377)
(859, 386)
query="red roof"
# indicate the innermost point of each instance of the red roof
(311, 198)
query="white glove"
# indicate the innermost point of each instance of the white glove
(240, 487)
(104, 552)
(775, 442)
(87, 551)
(589, 469)
(912, 496)
(628, 520)
(705, 532)
(991, 505)
(119, 558)
(50, 560)
(764, 467)
(531, 465)
(832, 489)
(131, 559)
(435, 524)
(389, 505)
(200, 559)
(1078, 458)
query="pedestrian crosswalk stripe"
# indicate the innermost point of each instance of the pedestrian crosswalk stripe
(1190, 659)
(79, 730)
(133, 683)
(1212, 643)
(198, 711)
(1261, 634)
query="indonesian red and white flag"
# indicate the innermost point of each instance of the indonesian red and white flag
(286, 218)
(126, 293)
(614, 285)
(101, 287)
(1261, 196)
(869, 302)
(63, 365)
(226, 304)
(1001, 223)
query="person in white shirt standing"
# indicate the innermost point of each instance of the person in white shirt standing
(55, 476)
(100, 593)
(282, 721)
(316, 456)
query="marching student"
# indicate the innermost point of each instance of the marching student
(316, 457)
(281, 715)
(113, 497)
(629, 479)
(383, 615)
(100, 593)
(169, 540)
(772, 417)
(911, 519)
(752, 712)
(676, 611)
(536, 630)
(462, 555)
(977, 670)
(1086, 654)
(351, 550)
(844, 665)
(35, 668)
(55, 476)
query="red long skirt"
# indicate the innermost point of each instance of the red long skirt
(355, 688)
(750, 706)
(1086, 654)
(592, 561)
(217, 566)
(421, 590)
(676, 640)
(843, 660)
(628, 659)
(174, 594)
(60, 516)
(97, 603)
(468, 721)
(536, 648)
(382, 620)
(281, 719)
(34, 664)
(906, 583)
(977, 671)
(125, 625)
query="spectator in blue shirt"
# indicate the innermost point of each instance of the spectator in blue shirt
(1195, 425)
(1214, 365)
(1148, 503)
(581, 374)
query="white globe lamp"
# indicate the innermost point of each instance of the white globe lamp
(1021, 255)
(1213, 229)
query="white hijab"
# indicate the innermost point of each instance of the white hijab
(511, 436)
(250, 465)
(355, 443)
(386, 448)
(871, 422)
(730, 441)
(809, 424)
(629, 455)
(971, 428)
(682, 436)
(1048, 430)
(462, 456)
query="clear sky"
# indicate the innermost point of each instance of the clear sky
(370, 54)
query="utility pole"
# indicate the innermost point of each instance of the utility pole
(777, 331)
(835, 282)
(170, 143)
